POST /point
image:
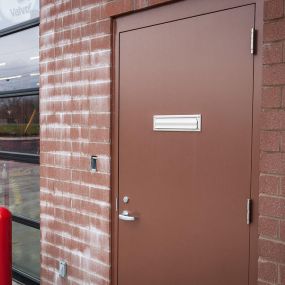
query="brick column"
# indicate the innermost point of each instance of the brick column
(272, 163)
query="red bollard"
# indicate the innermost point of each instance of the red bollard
(5, 247)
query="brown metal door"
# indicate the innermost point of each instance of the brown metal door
(188, 189)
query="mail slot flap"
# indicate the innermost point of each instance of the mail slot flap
(176, 123)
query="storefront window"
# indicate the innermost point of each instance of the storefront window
(19, 188)
(19, 60)
(13, 12)
(26, 248)
(19, 133)
(19, 124)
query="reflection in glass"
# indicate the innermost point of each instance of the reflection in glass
(19, 124)
(13, 12)
(19, 60)
(26, 249)
(19, 188)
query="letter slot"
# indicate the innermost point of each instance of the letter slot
(177, 123)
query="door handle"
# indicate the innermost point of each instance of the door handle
(125, 217)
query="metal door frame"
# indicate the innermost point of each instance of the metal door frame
(167, 13)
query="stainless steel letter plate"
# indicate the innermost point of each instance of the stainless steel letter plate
(177, 123)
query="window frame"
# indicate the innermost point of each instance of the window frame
(19, 275)
(20, 27)
(24, 278)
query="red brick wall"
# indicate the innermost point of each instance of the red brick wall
(272, 163)
(75, 52)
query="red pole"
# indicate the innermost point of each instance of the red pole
(5, 247)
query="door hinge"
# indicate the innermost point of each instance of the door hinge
(253, 37)
(248, 211)
(116, 204)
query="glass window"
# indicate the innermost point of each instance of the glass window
(19, 124)
(13, 12)
(19, 60)
(19, 188)
(19, 136)
(26, 249)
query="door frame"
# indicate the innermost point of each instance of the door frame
(167, 13)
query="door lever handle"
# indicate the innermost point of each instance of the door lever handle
(125, 217)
